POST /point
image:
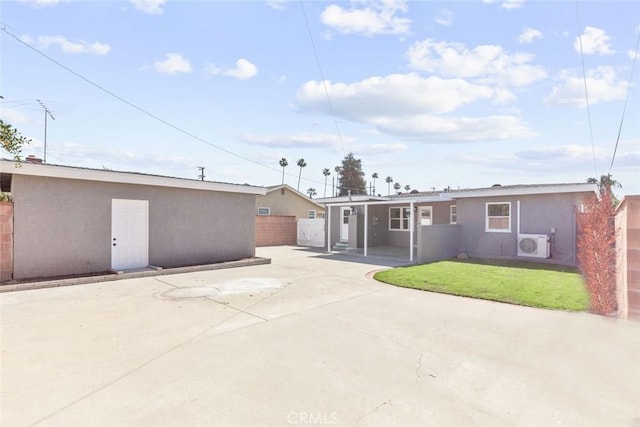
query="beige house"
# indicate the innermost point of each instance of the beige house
(285, 200)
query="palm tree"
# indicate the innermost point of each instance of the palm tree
(374, 176)
(302, 164)
(407, 188)
(311, 192)
(388, 180)
(283, 164)
(326, 173)
(396, 187)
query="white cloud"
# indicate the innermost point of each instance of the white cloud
(13, 116)
(66, 46)
(528, 35)
(603, 85)
(151, 7)
(298, 140)
(595, 41)
(173, 64)
(507, 4)
(244, 70)
(413, 107)
(512, 4)
(392, 95)
(487, 62)
(445, 18)
(375, 17)
(434, 129)
(277, 4)
(42, 3)
(632, 54)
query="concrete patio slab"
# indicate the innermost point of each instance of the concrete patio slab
(314, 342)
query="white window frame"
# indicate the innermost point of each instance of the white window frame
(311, 214)
(405, 215)
(264, 214)
(486, 218)
(453, 214)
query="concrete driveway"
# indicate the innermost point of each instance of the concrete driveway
(307, 340)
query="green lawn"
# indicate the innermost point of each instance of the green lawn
(534, 285)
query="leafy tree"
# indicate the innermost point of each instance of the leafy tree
(350, 176)
(311, 192)
(326, 172)
(374, 176)
(396, 187)
(388, 180)
(302, 164)
(606, 182)
(12, 141)
(283, 164)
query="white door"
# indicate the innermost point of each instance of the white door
(129, 234)
(344, 225)
(425, 215)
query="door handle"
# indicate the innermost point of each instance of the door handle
(114, 244)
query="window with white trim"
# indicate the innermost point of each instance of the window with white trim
(498, 217)
(312, 214)
(453, 214)
(264, 211)
(399, 218)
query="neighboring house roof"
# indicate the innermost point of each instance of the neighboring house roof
(105, 175)
(273, 188)
(447, 195)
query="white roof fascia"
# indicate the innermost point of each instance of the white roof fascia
(523, 191)
(51, 171)
(403, 201)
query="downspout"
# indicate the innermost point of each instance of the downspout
(328, 228)
(366, 228)
(518, 218)
(411, 228)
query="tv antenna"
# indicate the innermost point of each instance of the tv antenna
(202, 175)
(47, 113)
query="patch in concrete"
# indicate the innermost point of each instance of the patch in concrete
(249, 285)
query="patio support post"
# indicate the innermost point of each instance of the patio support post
(366, 221)
(328, 228)
(412, 229)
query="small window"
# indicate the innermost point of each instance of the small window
(312, 214)
(498, 217)
(264, 211)
(399, 218)
(453, 214)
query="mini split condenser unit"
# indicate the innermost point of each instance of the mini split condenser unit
(534, 245)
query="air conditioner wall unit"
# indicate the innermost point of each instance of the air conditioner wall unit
(534, 245)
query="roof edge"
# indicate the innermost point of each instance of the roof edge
(118, 177)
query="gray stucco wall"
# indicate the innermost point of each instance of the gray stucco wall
(437, 242)
(538, 214)
(63, 226)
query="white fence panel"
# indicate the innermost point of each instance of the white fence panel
(311, 232)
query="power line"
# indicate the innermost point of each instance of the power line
(47, 113)
(324, 82)
(150, 114)
(624, 109)
(586, 93)
(140, 109)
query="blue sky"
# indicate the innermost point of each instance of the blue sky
(433, 94)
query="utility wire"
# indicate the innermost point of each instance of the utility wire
(624, 109)
(142, 110)
(586, 93)
(324, 82)
(155, 117)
